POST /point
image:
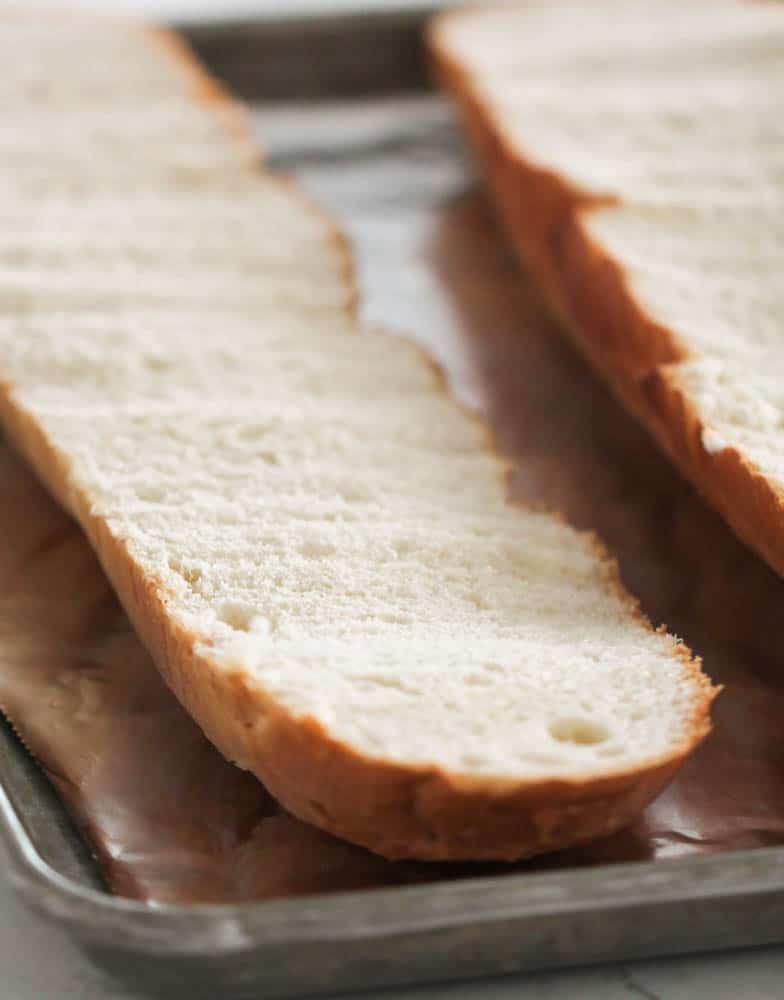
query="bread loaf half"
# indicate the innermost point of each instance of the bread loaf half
(312, 540)
(635, 154)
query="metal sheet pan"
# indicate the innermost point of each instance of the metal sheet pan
(341, 121)
(318, 51)
(446, 931)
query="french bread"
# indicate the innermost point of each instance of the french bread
(311, 539)
(634, 154)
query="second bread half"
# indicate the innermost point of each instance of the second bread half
(634, 152)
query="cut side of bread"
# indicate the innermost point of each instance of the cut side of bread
(635, 154)
(311, 539)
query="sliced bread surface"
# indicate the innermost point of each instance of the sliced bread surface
(635, 154)
(312, 540)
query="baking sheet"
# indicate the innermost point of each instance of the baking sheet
(169, 819)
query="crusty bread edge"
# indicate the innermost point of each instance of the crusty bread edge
(397, 810)
(547, 219)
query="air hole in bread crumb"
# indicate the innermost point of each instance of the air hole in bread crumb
(190, 573)
(493, 668)
(252, 432)
(150, 494)
(546, 759)
(396, 618)
(317, 549)
(236, 615)
(155, 363)
(581, 732)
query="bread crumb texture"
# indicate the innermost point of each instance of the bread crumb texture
(292, 509)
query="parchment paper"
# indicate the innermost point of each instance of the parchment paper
(168, 818)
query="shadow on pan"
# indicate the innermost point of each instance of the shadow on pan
(291, 56)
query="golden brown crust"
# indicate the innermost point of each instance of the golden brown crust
(604, 306)
(545, 218)
(394, 809)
